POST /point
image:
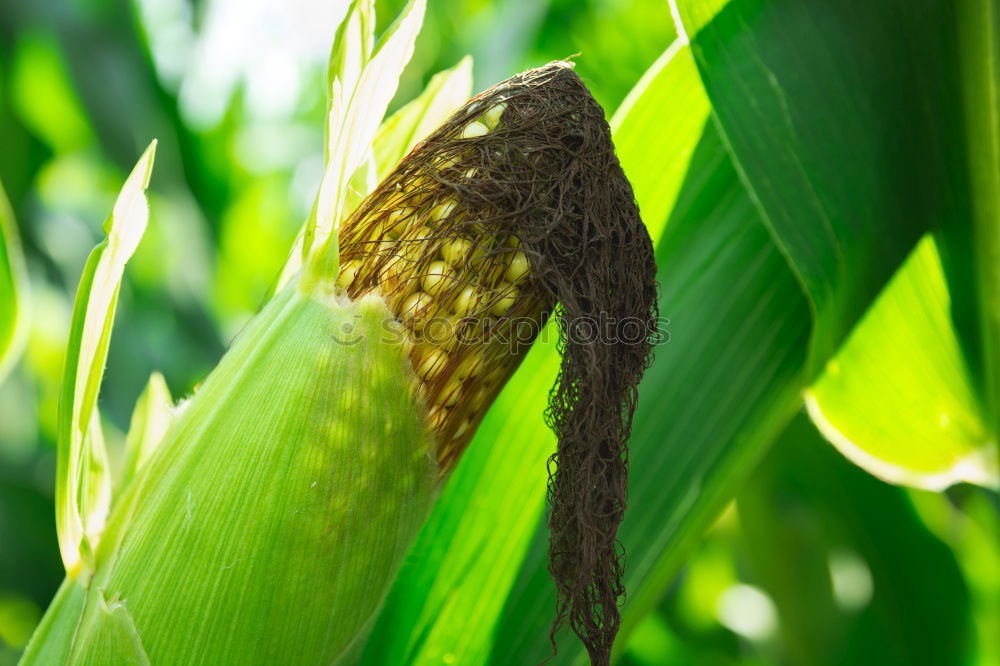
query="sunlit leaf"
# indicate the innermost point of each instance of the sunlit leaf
(82, 476)
(13, 290)
(897, 398)
(656, 129)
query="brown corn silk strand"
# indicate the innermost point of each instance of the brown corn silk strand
(545, 182)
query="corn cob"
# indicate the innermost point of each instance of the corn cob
(516, 204)
(241, 540)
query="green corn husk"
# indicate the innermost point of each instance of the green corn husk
(268, 524)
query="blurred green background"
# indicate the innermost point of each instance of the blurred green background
(815, 562)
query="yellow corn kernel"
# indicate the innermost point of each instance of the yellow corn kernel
(466, 302)
(443, 210)
(397, 278)
(446, 162)
(348, 272)
(457, 251)
(437, 416)
(450, 393)
(415, 309)
(507, 295)
(474, 129)
(469, 365)
(492, 116)
(518, 269)
(439, 276)
(462, 428)
(440, 331)
(396, 221)
(432, 361)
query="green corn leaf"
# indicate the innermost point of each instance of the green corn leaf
(898, 117)
(897, 398)
(82, 476)
(152, 416)
(356, 109)
(644, 133)
(284, 497)
(734, 301)
(50, 644)
(889, 110)
(444, 94)
(13, 290)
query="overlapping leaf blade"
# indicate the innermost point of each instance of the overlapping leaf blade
(840, 117)
(894, 110)
(897, 398)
